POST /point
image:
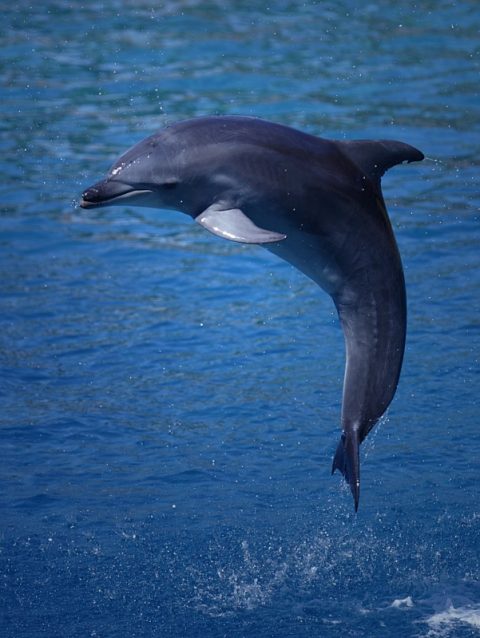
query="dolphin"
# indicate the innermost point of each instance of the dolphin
(314, 202)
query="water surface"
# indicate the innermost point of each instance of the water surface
(170, 402)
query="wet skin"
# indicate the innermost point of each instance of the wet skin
(315, 203)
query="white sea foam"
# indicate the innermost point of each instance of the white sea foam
(443, 623)
(402, 602)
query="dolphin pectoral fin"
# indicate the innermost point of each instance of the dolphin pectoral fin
(234, 225)
(347, 460)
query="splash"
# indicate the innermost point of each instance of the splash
(247, 587)
(323, 562)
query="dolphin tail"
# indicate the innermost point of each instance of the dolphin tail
(347, 460)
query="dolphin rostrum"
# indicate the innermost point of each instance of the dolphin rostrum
(317, 204)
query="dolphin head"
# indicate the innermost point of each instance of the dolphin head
(150, 174)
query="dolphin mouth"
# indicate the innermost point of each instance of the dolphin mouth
(108, 192)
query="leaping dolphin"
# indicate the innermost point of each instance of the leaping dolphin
(317, 204)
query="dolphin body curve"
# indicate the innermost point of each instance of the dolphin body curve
(314, 202)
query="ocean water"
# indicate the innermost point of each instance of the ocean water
(170, 402)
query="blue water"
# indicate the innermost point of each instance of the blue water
(170, 402)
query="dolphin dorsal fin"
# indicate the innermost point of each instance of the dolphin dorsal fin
(374, 158)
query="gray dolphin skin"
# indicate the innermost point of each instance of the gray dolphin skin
(314, 202)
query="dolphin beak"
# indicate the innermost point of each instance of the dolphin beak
(104, 193)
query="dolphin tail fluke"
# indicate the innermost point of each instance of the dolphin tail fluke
(347, 460)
